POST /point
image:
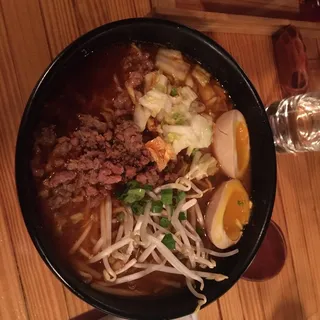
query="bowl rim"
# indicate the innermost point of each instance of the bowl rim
(67, 52)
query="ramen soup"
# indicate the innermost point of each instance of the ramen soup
(141, 166)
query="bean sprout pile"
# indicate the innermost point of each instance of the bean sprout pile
(160, 239)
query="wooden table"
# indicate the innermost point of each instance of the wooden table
(32, 33)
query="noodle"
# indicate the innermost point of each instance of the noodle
(97, 246)
(81, 239)
(119, 234)
(143, 230)
(103, 224)
(108, 218)
(85, 253)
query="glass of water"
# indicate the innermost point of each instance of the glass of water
(295, 122)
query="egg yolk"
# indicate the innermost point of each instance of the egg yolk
(236, 213)
(242, 146)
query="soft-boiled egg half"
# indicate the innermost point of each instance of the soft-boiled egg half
(231, 143)
(227, 213)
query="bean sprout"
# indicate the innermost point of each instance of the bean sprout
(138, 242)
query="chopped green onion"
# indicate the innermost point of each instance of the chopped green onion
(133, 184)
(134, 195)
(200, 231)
(181, 195)
(120, 194)
(166, 196)
(120, 217)
(174, 92)
(240, 203)
(138, 208)
(164, 222)
(168, 241)
(182, 216)
(157, 206)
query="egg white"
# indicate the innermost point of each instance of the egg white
(215, 214)
(224, 142)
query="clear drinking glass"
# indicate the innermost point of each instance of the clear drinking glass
(295, 122)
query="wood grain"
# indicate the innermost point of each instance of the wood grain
(230, 305)
(11, 295)
(234, 23)
(212, 312)
(75, 305)
(247, 290)
(60, 24)
(108, 11)
(27, 41)
(280, 295)
(20, 72)
(247, 49)
(298, 239)
(190, 4)
(260, 6)
(31, 34)
(142, 7)
(167, 3)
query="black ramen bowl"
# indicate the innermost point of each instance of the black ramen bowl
(263, 161)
